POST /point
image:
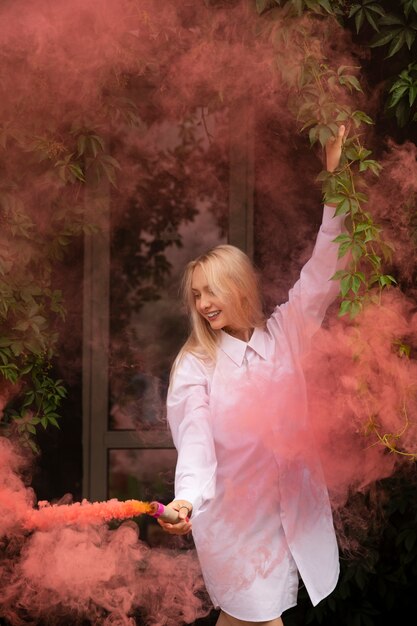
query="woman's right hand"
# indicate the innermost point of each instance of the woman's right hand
(334, 148)
(183, 525)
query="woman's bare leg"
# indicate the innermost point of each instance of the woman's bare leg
(227, 620)
(221, 621)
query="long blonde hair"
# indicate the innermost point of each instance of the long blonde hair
(232, 277)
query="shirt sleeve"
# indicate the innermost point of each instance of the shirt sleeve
(188, 416)
(302, 315)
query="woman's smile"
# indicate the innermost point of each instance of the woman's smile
(210, 306)
(218, 312)
(213, 315)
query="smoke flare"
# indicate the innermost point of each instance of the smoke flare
(83, 513)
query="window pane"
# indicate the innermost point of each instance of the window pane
(177, 211)
(145, 475)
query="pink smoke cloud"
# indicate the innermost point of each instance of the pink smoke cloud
(69, 65)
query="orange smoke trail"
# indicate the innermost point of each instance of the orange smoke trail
(83, 513)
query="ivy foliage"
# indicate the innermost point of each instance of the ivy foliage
(387, 25)
(31, 308)
(395, 26)
(321, 97)
(376, 583)
(72, 159)
(69, 155)
(403, 94)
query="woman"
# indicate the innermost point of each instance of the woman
(248, 481)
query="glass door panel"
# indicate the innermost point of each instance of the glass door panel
(175, 213)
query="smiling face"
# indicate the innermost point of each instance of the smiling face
(217, 312)
(221, 292)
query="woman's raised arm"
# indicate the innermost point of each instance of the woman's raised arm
(312, 294)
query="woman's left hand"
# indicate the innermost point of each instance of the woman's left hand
(334, 149)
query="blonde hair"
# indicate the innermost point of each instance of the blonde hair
(232, 277)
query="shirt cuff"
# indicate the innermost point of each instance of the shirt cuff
(195, 499)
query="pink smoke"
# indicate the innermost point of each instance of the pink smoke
(66, 66)
(83, 569)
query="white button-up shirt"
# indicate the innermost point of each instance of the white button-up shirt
(246, 457)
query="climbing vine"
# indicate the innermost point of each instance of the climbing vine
(65, 154)
(322, 96)
(31, 308)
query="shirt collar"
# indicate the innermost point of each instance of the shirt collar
(236, 348)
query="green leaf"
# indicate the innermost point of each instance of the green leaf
(357, 251)
(351, 82)
(324, 134)
(77, 172)
(53, 421)
(359, 19)
(23, 325)
(356, 283)
(312, 135)
(385, 280)
(345, 307)
(410, 36)
(370, 235)
(354, 9)
(17, 347)
(31, 444)
(402, 113)
(345, 285)
(375, 260)
(326, 6)
(409, 5)
(29, 397)
(396, 44)
(367, 10)
(389, 19)
(339, 275)
(9, 372)
(375, 7)
(370, 164)
(93, 147)
(398, 90)
(371, 20)
(384, 38)
(355, 309)
(343, 207)
(360, 116)
(81, 144)
(412, 94)
(343, 238)
(361, 197)
(344, 249)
